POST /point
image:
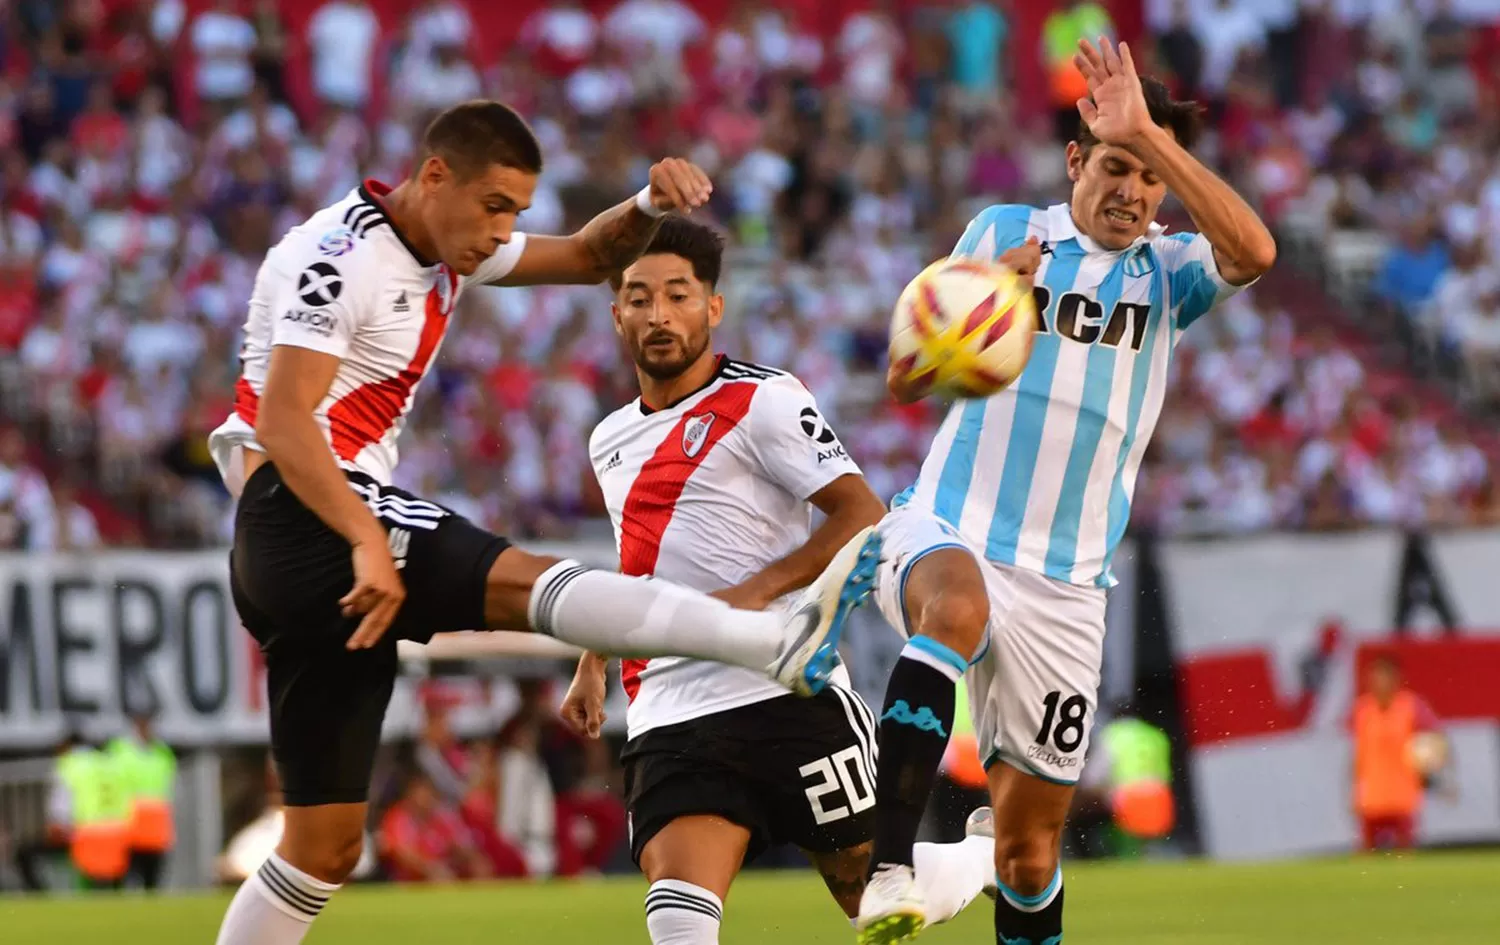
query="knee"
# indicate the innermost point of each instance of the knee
(1027, 863)
(332, 859)
(957, 619)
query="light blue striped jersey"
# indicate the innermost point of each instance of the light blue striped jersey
(1041, 474)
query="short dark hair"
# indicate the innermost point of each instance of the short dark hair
(699, 244)
(1183, 118)
(471, 136)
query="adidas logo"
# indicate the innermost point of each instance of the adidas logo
(613, 462)
(402, 305)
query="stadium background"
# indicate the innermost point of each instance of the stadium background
(1323, 484)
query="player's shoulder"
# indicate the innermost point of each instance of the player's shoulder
(748, 371)
(339, 236)
(1177, 248)
(1002, 226)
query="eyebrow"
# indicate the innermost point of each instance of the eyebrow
(675, 280)
(509, 203)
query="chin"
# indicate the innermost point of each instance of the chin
(466, 265)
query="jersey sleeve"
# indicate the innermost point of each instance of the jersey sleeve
(1195, 282)
(995, 230)
(315, 299)
(499, 265)
(792, 442)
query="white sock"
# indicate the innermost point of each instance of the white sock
(275, 906)
(610, 613)
(679, 913)
(952, 875)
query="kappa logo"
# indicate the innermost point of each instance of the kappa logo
(695, 434)
(613, 462)
(402, 305)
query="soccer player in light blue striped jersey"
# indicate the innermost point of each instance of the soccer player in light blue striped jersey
(996, 561)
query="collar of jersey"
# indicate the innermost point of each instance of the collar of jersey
(720, 361)
(1060, 226)
(373, 192)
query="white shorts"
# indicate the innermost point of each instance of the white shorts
(1034, 684)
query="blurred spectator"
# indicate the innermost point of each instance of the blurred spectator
(223, 41)
(1411, 271)
(343, 35)
(654, 35)
(979, 34)
(421, 839)
(561, 37)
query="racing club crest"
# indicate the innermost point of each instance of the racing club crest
(695, 434)
(336, 242)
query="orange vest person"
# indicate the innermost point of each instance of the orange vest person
(99, 810)
(148, 770)
(1387, 782)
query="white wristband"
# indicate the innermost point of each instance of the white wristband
(643, 203)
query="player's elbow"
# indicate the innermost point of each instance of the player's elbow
(275, 426)
(1257, 257)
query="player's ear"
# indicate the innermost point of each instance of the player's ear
(614, 311)
(434, 172)
(715, 310)
(1076, 158)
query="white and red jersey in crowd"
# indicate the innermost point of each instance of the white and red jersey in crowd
(346, 283)
(706, 493)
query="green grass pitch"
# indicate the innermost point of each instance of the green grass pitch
(1432, 899)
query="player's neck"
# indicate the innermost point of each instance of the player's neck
(400, 206)
(660, 393)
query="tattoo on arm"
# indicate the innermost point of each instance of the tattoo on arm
(618, 236)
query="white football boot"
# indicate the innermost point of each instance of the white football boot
(981, 823)
(892, 909)
(811, 652)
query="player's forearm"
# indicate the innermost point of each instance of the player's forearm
(1235, 231)
(617, 237)
(294, 443)
(802, 567)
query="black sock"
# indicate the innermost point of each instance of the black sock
(1014, 925)
(914, 728)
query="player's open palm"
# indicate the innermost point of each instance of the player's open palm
(1118, 114)
(377, 593)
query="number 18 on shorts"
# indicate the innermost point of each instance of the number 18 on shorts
(1034, 688)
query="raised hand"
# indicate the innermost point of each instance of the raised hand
(1118, 114)
(677, 184)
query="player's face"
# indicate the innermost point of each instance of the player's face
(1115, 196)
(665, 314)
(470, 218)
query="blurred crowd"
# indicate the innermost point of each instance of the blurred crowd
(152, 150)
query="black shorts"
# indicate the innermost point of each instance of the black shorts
(790, 770)
(287, 573)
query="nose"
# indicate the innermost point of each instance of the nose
(1128, 190)
(503, 228)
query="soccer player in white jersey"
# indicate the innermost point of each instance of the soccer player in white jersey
(995, 563)
(331, 564)
(711, 477)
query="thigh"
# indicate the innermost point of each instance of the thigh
(444, 559)
(814, 761)
(326, 706)
(1034, 694)
(692, 769)
(909, 535)
(703, 849)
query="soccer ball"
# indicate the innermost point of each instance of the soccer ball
(962, 328)
(1428, 752)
